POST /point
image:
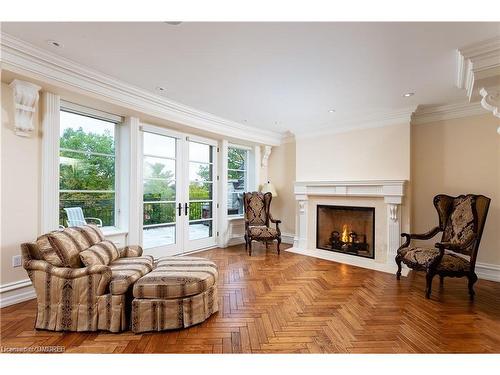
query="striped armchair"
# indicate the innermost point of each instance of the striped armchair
(82, 281)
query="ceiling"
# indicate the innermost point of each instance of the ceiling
(276, 76)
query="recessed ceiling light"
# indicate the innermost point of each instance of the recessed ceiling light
(408, 94)
(174, 23)
(54, 43)
(160, 89)
(245, 121)
(331, 111)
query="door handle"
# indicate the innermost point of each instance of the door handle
(186, 207)
(179, 207)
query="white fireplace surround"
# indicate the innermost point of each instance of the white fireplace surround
(392, 193)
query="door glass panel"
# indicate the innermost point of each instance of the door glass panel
(159, 213)
(200, 229)
(201, 179)
(158, 236)
(159, 168)
(200, 191)
(200, 210)
(200, 152)
(159, 145)
(159, 190)
(200, 171)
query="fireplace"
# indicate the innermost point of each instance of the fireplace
(346, 229)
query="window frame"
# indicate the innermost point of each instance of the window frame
(246, 171)
(80, 110)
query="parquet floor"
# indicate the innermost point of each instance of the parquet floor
(298, 304)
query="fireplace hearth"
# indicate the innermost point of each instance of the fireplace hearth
(346, 229)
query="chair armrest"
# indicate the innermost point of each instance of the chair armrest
(96, 219)
(130, 251)
(273, 220)
(423, 236)
(277, 222)
(416, 236)
(78, 275)
(456, 246)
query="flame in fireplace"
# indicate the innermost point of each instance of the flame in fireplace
(345, 234)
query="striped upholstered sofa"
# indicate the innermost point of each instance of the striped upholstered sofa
(82, 281)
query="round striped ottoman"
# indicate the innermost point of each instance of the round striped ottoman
(178, 293)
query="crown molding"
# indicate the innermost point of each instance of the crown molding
(475, 59)
(360, 122)
(23, 58)
(427, 114)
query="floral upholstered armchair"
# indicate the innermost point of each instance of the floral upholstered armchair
(461, 220)
(257, 220)
(82, 281)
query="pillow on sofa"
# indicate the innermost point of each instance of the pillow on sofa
(92, 233)
(103, 253)
(47, 252)
(67, 244)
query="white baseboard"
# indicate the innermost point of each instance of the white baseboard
(16, 292)
(487, 271)
(235, 241)
(287, 238)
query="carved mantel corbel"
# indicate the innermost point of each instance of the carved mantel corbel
(25, 100)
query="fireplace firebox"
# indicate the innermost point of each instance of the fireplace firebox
(346, 229)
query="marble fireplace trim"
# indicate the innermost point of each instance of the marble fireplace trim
(388, 193)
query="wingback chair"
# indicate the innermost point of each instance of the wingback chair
(461, 221)
(257, 219)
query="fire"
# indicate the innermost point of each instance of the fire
(345, 234)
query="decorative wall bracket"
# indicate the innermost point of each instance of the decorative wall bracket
(25, 100)
(490, 100)
(265, 155)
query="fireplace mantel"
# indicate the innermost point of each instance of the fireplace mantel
(391, 191)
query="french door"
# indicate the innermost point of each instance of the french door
(179, 192)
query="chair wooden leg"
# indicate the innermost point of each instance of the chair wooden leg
(441, 280)
(472, 281)
(250, 247)
(428, 287)
(246, 242)
(278, 245)
(398, 262)
(267, 245)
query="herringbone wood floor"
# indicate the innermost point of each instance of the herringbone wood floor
(292, 303)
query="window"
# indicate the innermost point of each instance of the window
(237, 179)
(87, 170)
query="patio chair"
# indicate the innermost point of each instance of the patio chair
(75, 217)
